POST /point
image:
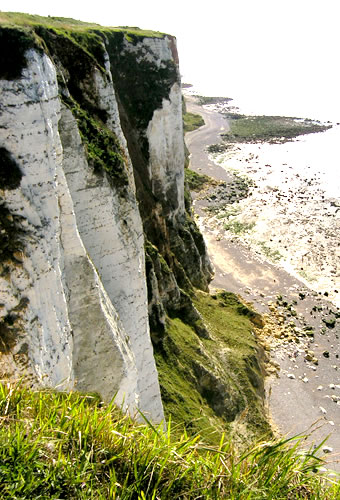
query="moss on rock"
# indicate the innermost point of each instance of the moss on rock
(103, 149)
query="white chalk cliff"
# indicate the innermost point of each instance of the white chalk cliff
(91, 171)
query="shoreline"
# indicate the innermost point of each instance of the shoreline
(294, 396)
(296, 224)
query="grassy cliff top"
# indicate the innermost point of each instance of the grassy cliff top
(17, 19)
(58, 445)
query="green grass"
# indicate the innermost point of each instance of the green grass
(196, 181)
(212, 100)
(191, 121)
(66, 23)
(270, 128)
(237, 227)
(273, 255)
(216, 383)
(73, 446)
(20, 32)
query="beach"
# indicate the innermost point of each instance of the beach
(294, 221)
(272, 232)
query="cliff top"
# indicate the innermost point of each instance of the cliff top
(17, 19)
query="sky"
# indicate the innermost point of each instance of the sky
(279, 54)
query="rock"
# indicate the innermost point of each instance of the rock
(87, 315)
(305, 380)
(309, 356)
(329, 322)
(291, 376)
(327, 449)
(19, 256)
(322, 410)
(331, 386)
(325, 354)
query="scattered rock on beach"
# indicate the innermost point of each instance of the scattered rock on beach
(327, 449)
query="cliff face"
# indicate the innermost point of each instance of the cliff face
(92, 175)
(147, 83)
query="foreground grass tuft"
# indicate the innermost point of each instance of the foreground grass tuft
(58, 445)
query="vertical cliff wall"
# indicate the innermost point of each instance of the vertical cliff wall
(73, 290)
(92, 182)
(147, 82)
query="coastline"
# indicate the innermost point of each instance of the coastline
(295, 223)
(296, 315)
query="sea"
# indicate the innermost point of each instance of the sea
(306, 171)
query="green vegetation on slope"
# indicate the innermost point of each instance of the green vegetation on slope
(191, 121)
(66, 23)
(214, 382)
(57, 445)
(104, 152)
(196, 181)
(274, 129)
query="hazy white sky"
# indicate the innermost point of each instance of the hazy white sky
(269, 48)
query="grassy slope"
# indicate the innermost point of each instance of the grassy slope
(196, 181)
(56, 445)
(25, 20)
(210, 385)
(191, 121)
